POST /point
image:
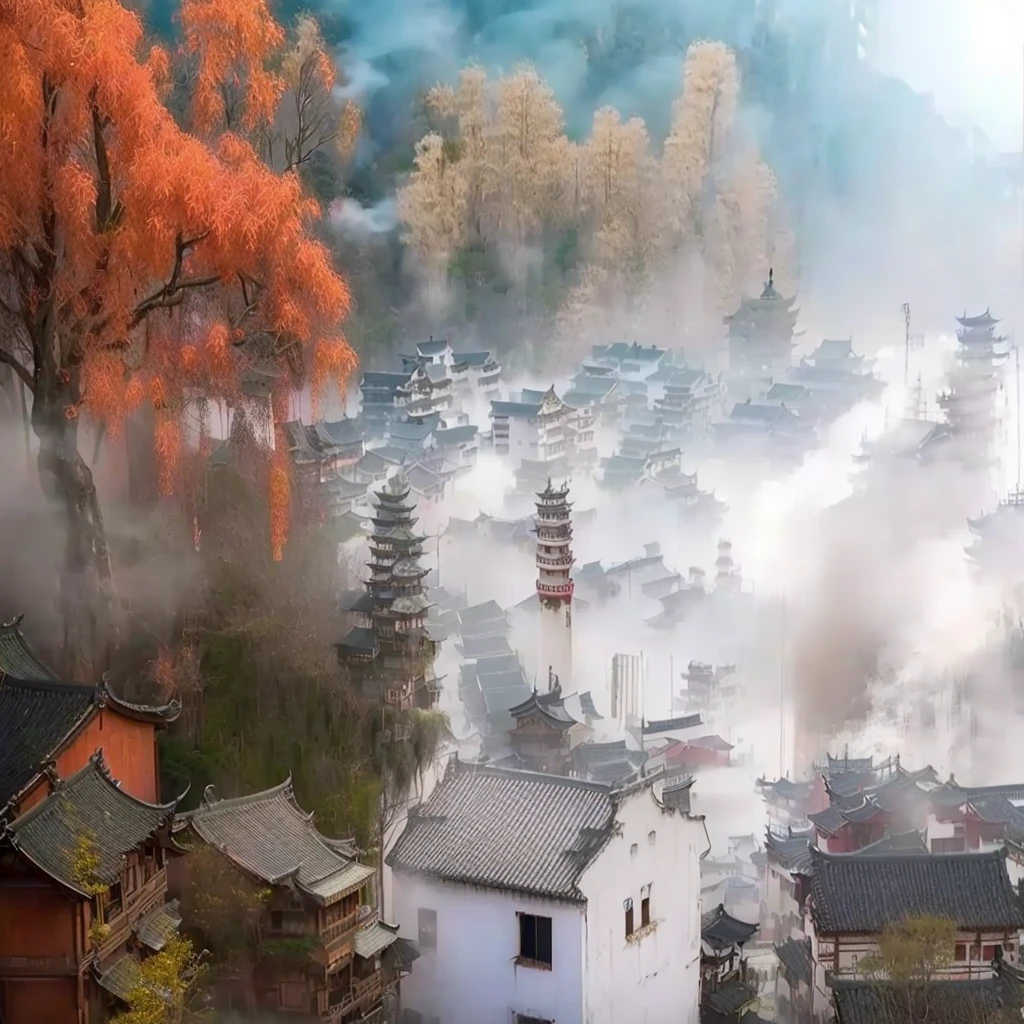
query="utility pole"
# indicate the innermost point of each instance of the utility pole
(906, 347)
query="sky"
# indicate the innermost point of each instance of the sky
(967, 53)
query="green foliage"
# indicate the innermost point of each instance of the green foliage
(288, 952)
(167, 987)
(912, 950)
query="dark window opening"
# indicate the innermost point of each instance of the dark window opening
(645, 911)
(427, 928)
(629, 918)
(535, 938)
(960, 951)
(115, 901)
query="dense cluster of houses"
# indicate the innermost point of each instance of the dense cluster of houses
(864, 846)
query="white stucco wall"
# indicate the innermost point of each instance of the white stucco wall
(472, 976)
(655, 977)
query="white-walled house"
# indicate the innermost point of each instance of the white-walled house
(535, 898)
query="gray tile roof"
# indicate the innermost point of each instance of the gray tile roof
(938, 1002)
(158, 927)
(17, 658)
(484, 646)
(122, 977)
(719, 929)
(374, 939)
(505, 829)
(271, 838)
(35, 719)
(88, 805)
(795, 959)
(854, 894)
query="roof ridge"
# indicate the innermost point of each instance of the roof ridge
(6, 679)
(95, 765)
(210, 803)
(531, 776)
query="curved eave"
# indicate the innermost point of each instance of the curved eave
(69, 889)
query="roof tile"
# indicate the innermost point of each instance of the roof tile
(506, 829)
(855, 894)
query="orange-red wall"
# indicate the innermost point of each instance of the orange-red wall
(35, 921)
(129, 750)
(41, 1001)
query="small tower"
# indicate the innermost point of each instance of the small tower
(388, 651)
(554, 584)
(727, 576)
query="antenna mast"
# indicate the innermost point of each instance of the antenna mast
(906, 344)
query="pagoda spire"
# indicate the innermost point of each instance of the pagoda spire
(388, 651)
(553, 529)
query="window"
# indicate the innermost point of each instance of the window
(960, 951)
(988, 952)
(524, 1018)
(427, 928)
(651, 836)
(632, 849)
(535, 939)
(276, 920)
(114, 901)
(645, 911)
(628, 906)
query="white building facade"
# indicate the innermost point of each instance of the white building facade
(535, 898)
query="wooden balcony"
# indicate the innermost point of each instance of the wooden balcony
(136, 906)
(362, 995)
(337, 937)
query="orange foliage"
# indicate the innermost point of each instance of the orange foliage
(280, 482)
(166, 265)
(233, 40)
(333, 363)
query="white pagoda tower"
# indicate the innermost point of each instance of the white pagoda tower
(554, 584)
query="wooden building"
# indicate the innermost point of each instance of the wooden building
(320, 894)
(546, 733)
(727, 995)
(83, 894)
(81, 747)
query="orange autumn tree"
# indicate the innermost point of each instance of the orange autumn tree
(139, 263)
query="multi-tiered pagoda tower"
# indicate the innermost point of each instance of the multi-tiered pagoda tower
(761, 336)
(388, 651)
(974, 384)
(727, 576)
(554, 583)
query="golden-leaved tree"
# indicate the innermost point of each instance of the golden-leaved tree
(140, 264)
(647, 222)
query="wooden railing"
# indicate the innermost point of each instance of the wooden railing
(363, 994)
(137, 905)
(37, 966)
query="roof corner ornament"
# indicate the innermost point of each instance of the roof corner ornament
(15, 622)
(103, 694)
(49, 770)
(209, 795)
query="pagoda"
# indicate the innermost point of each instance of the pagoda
(761, 336)
(970, 402)
(389, 651)
(727, 575)
(554, 585)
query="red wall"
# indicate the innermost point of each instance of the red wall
(35, 921)
(129, 750)
(41, 1001)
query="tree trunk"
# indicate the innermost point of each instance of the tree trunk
(87, 596)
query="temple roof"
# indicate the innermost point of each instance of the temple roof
(358, 601)
(938, 1002)
(87, 809)
(484, 646)
(851, 894)
(39, 716)
(17, 658)
(986, 319)
(900, 842)
(268, 836)
(514, 410)
(159, 926)
(671, 724)
(456, 435)
(787, 789)
(36, 720)
(485, 612)
(473, 358)
(511, 830)
(432, 347)
(379, 379)
(786, 393)
(719, 929)
(729, 999)
(549, 706)
(795, 958)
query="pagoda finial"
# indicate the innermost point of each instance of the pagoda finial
(771, 277)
